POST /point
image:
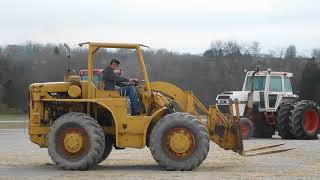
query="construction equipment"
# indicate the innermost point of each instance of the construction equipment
(268, 104)
(80, 122)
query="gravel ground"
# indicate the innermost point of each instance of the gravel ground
(21, 159)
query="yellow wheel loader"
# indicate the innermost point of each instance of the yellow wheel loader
(80, 122)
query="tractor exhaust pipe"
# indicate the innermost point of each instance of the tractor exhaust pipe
(250, 98)
(68, 62)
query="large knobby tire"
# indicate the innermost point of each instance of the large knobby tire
(179, 142)
(246, 127)
(107, 148)
(283, 120)
(304, 122)
(76, 141)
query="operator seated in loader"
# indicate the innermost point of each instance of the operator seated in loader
(111, 78)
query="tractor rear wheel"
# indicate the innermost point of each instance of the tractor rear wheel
(304, 122)
(283, 120)
(179, 142)
(76, 141)
(247, 128)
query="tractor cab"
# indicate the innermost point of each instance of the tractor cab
(267, 88)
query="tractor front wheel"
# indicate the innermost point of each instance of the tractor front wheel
(179, 142)
(247, 128)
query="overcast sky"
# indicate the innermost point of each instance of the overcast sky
(178, 25)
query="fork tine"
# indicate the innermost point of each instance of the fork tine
(264, 147)
(268, 152)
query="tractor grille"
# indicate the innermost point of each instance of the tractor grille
(223, 97)
(223, 108)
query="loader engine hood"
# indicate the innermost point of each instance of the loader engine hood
(222, 100)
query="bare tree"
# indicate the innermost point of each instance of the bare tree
(232, 48)
(316, 53)
(253, 49)
(291, 52)
(216, 49)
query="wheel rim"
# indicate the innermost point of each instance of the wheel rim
(180, 142)
(245, 129)
(72, 142)
(311, 121)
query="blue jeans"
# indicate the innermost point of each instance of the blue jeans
(133, 95)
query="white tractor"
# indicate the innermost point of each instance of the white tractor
(267, 104)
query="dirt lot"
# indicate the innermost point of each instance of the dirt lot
(20, 159)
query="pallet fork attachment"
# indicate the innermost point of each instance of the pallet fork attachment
(224, 130)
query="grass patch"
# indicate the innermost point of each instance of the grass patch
(5, 117)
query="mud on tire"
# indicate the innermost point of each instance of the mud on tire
(71, 131)
(164, 133)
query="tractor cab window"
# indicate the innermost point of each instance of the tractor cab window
(275, 84)
(287, 85)
(259, 83)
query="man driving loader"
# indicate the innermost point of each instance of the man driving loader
(111, 78)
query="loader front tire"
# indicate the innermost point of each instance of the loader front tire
(75, 141)
(179, 142)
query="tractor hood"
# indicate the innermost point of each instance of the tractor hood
(242, 96)
(222, 101)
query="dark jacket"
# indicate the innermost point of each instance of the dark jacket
(111, 79)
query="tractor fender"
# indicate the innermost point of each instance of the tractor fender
(155, 117)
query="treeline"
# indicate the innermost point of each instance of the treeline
(253, 49)
(220, 68)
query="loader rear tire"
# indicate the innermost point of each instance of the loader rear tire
(304, 122)
(76, 141)
(107, 148)
(247, 128)
(179, 142)
(283, 120)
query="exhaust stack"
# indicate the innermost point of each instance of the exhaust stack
(68, 62)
